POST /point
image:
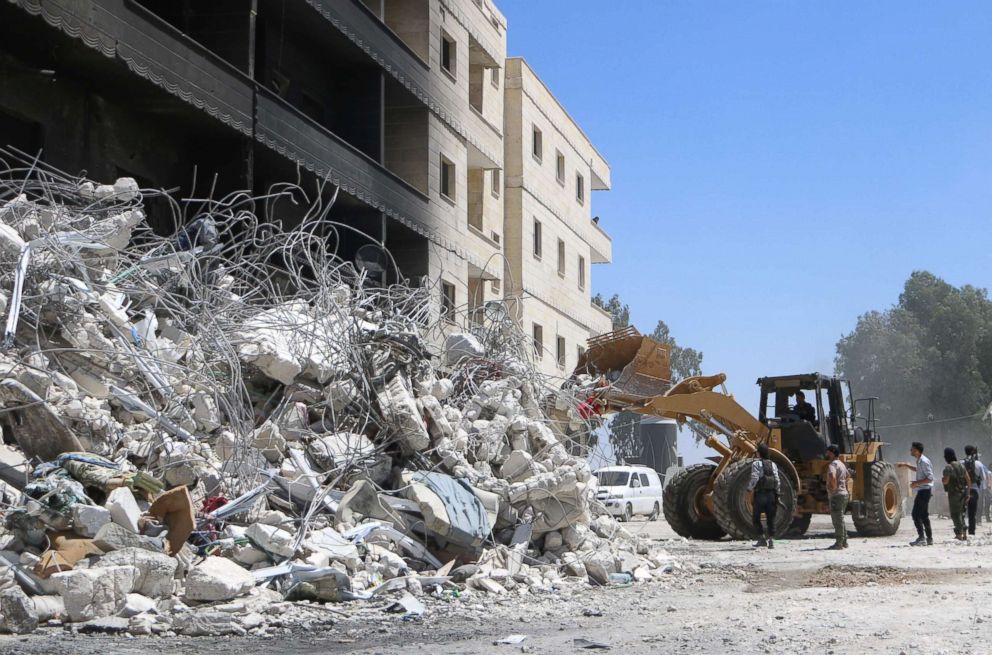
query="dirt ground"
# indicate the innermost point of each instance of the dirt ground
(879, 596)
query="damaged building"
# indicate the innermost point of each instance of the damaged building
(399, 104)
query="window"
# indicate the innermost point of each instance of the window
(580, 189)
(561, 258)
(448, 54)
(612, 478)
(560, 167)
(494, 77)
(579, 352)
(537, 238)
(447, 178)
(538, 144)
(496, 286)
(582, 272)
(538, 341)
(644, 480)
(496, 183)
(560, 351)
(447, 301)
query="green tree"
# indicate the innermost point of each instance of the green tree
(686, 362)
(620, 311)
(930, 355)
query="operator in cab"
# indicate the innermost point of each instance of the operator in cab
(803, 409)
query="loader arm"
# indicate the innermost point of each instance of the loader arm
(694, 399)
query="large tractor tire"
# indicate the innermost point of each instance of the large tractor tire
(883, 506)
(732, 502)
(683, 504)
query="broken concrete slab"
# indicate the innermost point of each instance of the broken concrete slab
(36, 427)
(115, 537)
(156, 571)
(217, 578)
(88, 519)
(123, 509)
(94, 593)
(272, 540)
(17, 612)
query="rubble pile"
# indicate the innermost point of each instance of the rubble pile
(206, 425)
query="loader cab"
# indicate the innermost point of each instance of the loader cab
(808, 440)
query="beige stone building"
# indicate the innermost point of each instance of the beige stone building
(551, 237)
(452, 149)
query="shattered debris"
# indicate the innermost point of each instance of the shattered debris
(231, 414)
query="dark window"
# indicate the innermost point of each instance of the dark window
(448, 301)
(448, 53)
(580, 189)
(537, 147)
(447, 178)
(582, 272)
(560, 351)
(496, 182)
(644, 480)
(537, 239)
(561, 258)
(538, 340)
(612, 478)
(560, 167)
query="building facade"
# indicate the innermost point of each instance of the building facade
(552, 238)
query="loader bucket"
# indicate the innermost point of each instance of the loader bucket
(637, 367)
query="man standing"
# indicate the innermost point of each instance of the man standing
(765, 485)
(957, 484)
(923, 485)
(837, 475)
(976, 471)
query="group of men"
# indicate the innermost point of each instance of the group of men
(964, 481)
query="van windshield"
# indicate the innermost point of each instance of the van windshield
(613, 478)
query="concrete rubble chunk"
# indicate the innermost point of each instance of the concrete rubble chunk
(156, 571)
(137, 604)
(115, 537)
(272, 539)
(216, 578)
(88, 519)
(95, 593)
(17, 612)
(123, 508)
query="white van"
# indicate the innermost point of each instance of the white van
(627, 491)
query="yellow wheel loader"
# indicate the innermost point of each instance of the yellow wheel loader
(710, 500)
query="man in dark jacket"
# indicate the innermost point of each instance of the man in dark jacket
(957, 484)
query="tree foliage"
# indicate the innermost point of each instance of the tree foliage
(620, 311)
(686, 362)
(930, 355)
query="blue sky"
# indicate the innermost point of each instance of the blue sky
(778, 167)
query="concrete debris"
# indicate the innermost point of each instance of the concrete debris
(95, 593)
(217, 578)
(202, 416)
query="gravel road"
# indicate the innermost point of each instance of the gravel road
(879, 596)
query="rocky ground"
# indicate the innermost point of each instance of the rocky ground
(880, 596)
